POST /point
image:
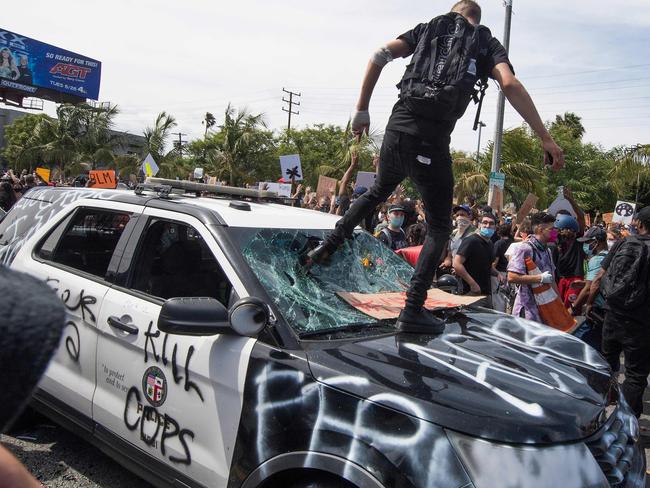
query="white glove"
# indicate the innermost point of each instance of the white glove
(360, 121)
(546, 277)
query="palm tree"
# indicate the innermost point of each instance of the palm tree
(572, 122)
(351, 144)
(632, 170)
(155, 143)
(209, 120)
(235, 133)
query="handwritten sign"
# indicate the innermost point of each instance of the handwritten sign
(383, 306)
(103, 178)
(326, 185)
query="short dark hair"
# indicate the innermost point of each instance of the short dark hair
(468, 8)
(489, 216)
(541, 218)
(504, 230)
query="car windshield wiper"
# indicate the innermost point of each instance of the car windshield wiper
(355, 327)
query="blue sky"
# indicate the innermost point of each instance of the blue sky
(194, 56)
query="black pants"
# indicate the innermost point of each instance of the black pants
(429, 168)
(633, 339)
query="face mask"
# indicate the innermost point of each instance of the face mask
(552, 237)
(486, 232)
(586, 247)
(462, 223)
(610, 244)
(396, 221)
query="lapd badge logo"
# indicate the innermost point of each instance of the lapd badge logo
(154, 386)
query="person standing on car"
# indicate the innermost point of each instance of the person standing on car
(452, 53)
(626, 287)
(473, 261)
(536, 248)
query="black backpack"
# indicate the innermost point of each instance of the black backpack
(625, 283)
(442, 76)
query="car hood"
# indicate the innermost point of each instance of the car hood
(488, 375)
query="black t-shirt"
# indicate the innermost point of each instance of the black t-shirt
(569, 263)
(439, 131)
(500, 248)
(393, 239)
(478, 261)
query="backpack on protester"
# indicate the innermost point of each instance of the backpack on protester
(625, 283)
(442, 76)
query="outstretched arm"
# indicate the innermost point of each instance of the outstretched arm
(397, 48)
(519, 98)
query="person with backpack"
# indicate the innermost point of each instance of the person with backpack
(626, 287)
(452, 58)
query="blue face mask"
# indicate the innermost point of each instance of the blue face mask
(587, 249)
(486, 232)
(396, 221)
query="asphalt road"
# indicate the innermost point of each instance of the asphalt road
(60, 459)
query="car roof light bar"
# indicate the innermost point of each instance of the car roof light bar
(163, 187)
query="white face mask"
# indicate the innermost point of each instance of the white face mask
(462, 223)
(610, 244)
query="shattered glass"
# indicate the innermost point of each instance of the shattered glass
(308, 299)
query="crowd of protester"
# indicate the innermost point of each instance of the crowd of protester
(490, 254)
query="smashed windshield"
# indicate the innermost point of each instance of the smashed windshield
(308, 300)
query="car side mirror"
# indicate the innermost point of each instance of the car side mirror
(203, 316)
(248, 316)
(193, 316)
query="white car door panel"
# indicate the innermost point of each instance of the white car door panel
(178, 398)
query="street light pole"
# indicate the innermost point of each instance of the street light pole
(478, 147)
(501, 103)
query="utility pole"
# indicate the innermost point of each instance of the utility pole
(478, 147)
(291, 104)
(501, 103)
(179, 143)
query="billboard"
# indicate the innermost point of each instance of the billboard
(27, 65)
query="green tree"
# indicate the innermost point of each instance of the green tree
(19, 151)
(572, 122)
(156, 138)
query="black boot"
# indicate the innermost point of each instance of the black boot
(319, 255)
(419, 321)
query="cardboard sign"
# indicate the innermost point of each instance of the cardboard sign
(497, 199)
(528, 205)
(383, 306)
(608, 217)
(44, 174)
(325, 186)
(623, 212)
(103, 178)
(290, 167)
(366, 179)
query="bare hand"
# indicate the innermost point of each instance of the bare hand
(475, 289)
(555, 152)
(360, 122)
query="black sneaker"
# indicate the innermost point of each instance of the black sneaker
(319, 255)
(419, 322)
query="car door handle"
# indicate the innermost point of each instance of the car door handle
(118, 323)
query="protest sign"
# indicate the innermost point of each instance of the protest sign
(608, 217)
(382, 306)
(365, 179)
(149, 166)
(290, 167)
(326, 186)
(102, 178)
(198, 173)
(623, 212)
(44, 174)
(282, 189)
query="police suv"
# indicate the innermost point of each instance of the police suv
(198, 352)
